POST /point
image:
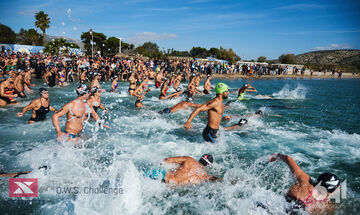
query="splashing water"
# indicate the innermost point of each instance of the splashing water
(141, 139)
(286, 93)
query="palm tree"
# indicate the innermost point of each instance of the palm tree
(42, 22)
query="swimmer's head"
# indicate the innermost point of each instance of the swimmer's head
(245, 86)
(222, 88)
(259, 112)
(42, 90)
(82, 90)
(242, 122)
(188, 99)
(329, 181)
(206, 160)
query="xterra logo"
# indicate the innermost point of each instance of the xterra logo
(23, 187)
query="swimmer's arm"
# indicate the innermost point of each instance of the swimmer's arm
(52, 109)
(55, 117)
(254, 90)
(202, 108)
(30, 106)
(97, 118)
(299, 174)
(102, 107)
(232, 128)
(177, 160)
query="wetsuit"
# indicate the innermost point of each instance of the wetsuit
(40, 114)
(51, 80)
(209, 134)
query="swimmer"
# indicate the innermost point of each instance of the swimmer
(132, 86)
(188, 171)
(7, 92)
(19, 84)
(207, 85)
(215, 108)
(95, 100)
(245, 88)
(40, 107)
(239, 125)
(77, 111)
(183, 105)
(140, 93)
(17, 174)
(304, 193)
(114, 84)
(164, 88)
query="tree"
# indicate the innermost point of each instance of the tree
(112, 46)
(42, 22)
(287, 59)
(261, 59)
(149, 49)
(99, 40)
(198, 52)
(7, 35)
(28, 37)
(57, 45)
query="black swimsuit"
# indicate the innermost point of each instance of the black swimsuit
(40, 113)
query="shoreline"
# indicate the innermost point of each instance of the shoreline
(305, 76)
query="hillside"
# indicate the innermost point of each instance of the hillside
(349, 59)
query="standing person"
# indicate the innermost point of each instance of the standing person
(40, 107)
(207, 85)
(132, 86)
(114, 84)
(19, 84)
(177, 81)
(95, 82)
(7, 92)
(164, 88)
(95, 99)
(305, 193)
(77, 111)
(139, 93)
(50, 77)
(215, 108)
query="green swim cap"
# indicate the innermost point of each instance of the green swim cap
(221, 87)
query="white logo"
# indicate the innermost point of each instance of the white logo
(23, 187)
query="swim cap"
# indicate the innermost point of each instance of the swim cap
(242, 122)
(259, 112)
(82, 90)
(329, 181)
(245, 85)
(189, 99)
(221, 87)
(42, 90)
(206, 160)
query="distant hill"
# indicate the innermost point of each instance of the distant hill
(349, 58)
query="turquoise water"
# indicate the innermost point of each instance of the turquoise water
(319, 127)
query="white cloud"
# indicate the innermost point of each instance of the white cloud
(63, 32)
(68, 11)
(75, 28)
(63, 23)
(142, 37)
(332, 47)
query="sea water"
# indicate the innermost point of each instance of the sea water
(317, 122)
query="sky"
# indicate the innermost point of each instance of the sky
(251, 28)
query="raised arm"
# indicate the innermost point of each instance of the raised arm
(299, 174)
(176, 160)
